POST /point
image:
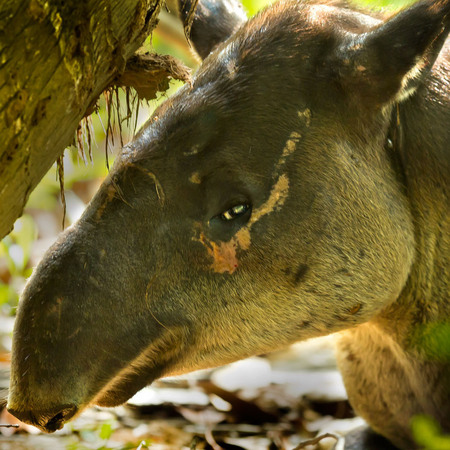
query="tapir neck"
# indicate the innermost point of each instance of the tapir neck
(424, 152)
(396, 357)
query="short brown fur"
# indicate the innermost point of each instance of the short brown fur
(305, 176)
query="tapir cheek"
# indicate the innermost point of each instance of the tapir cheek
(223, 257)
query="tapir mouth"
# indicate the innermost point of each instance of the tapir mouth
(123, 386)
(155, 361)
(115, 397)
(53, 419)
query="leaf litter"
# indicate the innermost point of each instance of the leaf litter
(262, 403)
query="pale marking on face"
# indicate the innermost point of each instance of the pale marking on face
(195, 178)
(305, 115)
(277, 197)
(224, 253)
(291, 144)
(192, 151)
(289, 148)
(110, 194)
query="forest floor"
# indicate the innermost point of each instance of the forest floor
(273, 402)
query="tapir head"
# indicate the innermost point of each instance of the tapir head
(256, 208)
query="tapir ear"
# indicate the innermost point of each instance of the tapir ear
(214, 21)
(392, 60)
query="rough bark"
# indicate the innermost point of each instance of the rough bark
(56, 57)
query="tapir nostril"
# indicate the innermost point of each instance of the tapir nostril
(40, 418)
(57, 421)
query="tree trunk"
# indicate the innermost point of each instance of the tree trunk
(56, 58)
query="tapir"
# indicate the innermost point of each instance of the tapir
(298, 187)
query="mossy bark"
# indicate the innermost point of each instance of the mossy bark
(56, 57)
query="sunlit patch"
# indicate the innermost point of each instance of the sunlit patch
(232, 10)
(224, 254)
(128, 152)
(318, 14)
(232, 69)
(415, 73)
(228, 58)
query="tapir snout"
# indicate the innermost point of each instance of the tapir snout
(66, 325)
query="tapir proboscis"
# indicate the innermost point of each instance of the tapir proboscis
(298, 187)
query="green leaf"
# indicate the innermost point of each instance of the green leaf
(433, 339)
(7, 294)
(23, 234)
(428, 434)
(5, 245)
(106, 431)
(389, 4)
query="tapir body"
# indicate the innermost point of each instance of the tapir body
(298, 187)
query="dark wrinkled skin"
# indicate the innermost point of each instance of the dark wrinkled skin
(343, 161)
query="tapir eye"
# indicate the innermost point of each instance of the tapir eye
(234, 212)
(224, 225)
